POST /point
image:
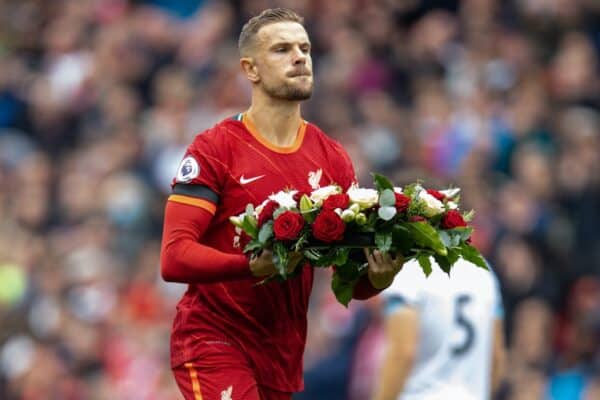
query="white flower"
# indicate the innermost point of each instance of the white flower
(450, 193)
(452, 205)
(432, 205)
(321, 194)
(348, 215)
(285, 199)
(398, 190)
(365, 198)
(258, 209)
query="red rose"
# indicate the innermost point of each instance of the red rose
(417, 218)
(438, 195)
(452, 219)
(402, 202)
(288, 225)
(267, 212)
(328, 227)
(336, 201)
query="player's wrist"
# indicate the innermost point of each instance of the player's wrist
(379, 281)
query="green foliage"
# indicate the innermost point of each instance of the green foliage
(383, 240)
(266, 233)
(471, 254)
(426, 236)
(342, 289)
(402, 239)
(425, 263)
(280, 258)
(387, 198)
(386, 213)
(382, 183)
(378, 227)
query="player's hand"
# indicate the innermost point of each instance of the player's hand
(262, 265)
(382, 268)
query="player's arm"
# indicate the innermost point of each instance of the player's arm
(498, 356)
(183, 259)
(401, 336)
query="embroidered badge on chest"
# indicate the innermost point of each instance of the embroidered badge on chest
(314, 178)
(226, 394)
(188, 169)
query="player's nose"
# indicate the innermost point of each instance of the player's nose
(298, 56)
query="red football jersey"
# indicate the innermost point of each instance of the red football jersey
(226, 168)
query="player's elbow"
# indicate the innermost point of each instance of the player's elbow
(166, 271)
(168, 264)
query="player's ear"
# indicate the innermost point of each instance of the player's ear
(249, 68)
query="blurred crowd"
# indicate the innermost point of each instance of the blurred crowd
(100, 98)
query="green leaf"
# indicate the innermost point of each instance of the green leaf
(462, 232)
(425, 263)
(254, 244)
(468, 216)
(350, 271)
(382, 183)
(306, 204)
(302, 240)
(426, 236)
(278, 212)
(386, 213)
(443, 262)
(341, 256)
(402, 239)
(280, 258)
(387, 198)
(383, 240)
(250, 226)
(266, 232)
(334, 256)
(342, 289)
(250, 210)
(446, 238)
(471, 254)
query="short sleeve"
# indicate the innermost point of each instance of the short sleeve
(200, 175)
(406, 288)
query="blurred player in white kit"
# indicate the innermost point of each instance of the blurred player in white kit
(444, 335)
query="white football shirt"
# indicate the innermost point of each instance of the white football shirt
(456, 328)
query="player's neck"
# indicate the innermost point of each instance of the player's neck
(276, 121)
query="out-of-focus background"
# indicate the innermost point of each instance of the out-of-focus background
(99, 99)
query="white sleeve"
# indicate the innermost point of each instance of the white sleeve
(406, 290)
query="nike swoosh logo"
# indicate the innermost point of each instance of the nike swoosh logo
(245, 181)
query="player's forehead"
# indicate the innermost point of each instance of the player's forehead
(282, 32)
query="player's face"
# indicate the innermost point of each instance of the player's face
(283, 61)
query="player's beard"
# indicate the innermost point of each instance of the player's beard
(288, 92)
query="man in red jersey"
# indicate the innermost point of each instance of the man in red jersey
(233, 339)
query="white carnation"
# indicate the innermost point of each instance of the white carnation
(285, 199)
(398, 190)
(452, 205)
(365, 198)
(450, 193)
(321, 194)
(432, 205)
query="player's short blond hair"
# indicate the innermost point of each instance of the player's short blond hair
(268, 16)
